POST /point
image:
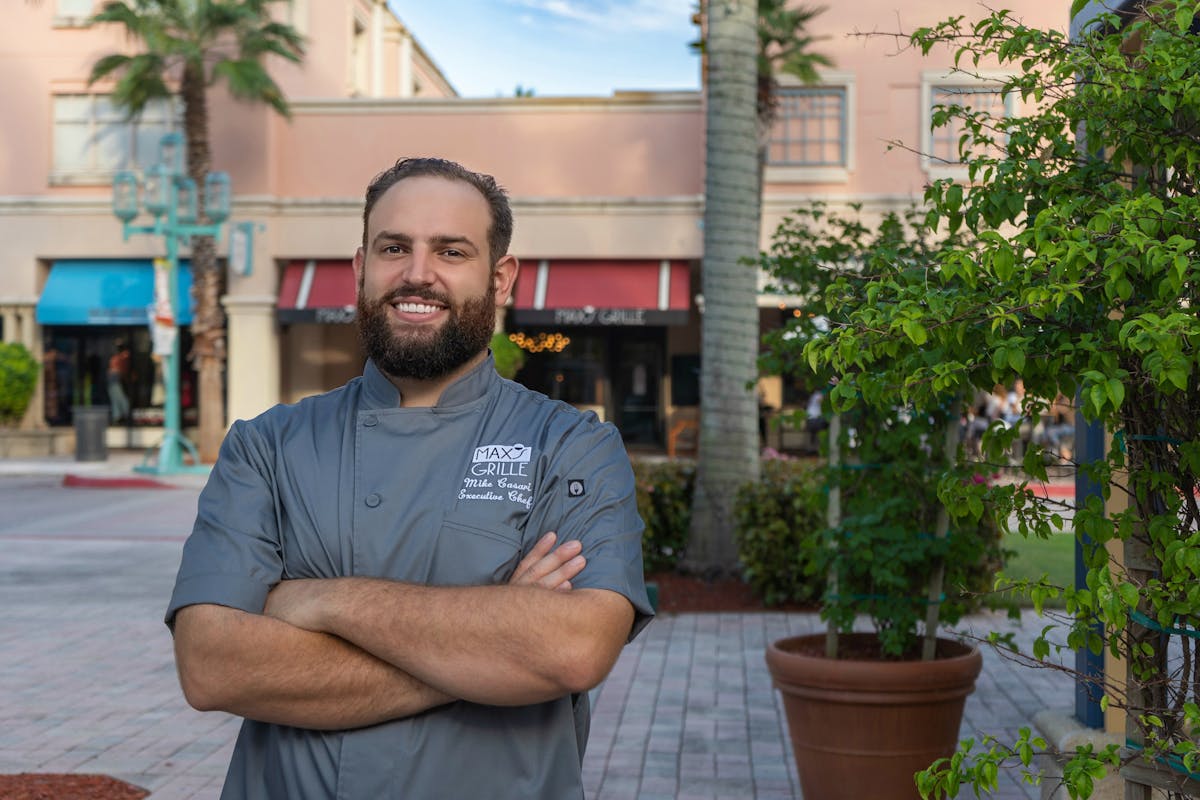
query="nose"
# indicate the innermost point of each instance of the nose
(419, 269)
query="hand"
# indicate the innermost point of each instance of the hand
(548, 567)
(296, 602)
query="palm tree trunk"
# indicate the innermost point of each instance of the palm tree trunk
(728, 455)
(208, 320)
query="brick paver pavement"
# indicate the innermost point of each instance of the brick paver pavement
(87, 682)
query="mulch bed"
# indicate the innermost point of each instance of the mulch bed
(686, 594)
(34, 786)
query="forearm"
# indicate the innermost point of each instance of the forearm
(501, 645)
(264, 669)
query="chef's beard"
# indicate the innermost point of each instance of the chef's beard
(421, 354)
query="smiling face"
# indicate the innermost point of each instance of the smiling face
(427, 292)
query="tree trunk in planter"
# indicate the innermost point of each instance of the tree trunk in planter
(861, 729)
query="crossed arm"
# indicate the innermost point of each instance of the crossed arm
(348, 652)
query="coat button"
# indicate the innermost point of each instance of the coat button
(373, 500)
(370, 421)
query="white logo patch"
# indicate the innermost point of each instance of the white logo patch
(499, 472)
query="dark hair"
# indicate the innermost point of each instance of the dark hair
(499, 233)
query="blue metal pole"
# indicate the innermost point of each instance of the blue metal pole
(1089, 666)
(168, 456)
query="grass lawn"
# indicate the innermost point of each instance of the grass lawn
(1054, 556)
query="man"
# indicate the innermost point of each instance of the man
(117, 377)
(371, 582)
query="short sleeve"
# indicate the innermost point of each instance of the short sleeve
(588, 493)
(233, 555)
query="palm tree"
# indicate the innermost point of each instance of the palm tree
(746, 44)
(784, 47)
(728, 454)
(190, 45)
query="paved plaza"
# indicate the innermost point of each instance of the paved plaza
(88, 684)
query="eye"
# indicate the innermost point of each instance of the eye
(450, 252)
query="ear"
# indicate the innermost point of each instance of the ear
(503, 277)
(358, 262)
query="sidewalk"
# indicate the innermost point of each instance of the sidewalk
(89, 683)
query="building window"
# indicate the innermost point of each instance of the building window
(93, 138)
(941, 145)
(73, 12)
(812, 138)
(810, 128)
(297, 15)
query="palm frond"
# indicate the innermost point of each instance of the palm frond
(106, 66)
(261, 42)
(247, 79)
(233, 36)
(120, 13)
(141, 83)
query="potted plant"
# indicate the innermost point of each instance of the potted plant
(867, 710)
(1082, 280)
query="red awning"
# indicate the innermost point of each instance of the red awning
(317, 291)
(595, 292)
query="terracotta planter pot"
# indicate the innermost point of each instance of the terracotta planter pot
(861, 729)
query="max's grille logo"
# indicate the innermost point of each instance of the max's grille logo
(510, 460)
(503, 453)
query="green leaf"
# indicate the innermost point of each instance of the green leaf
(915, 331)
(1116, 392)
(954, 197)
(1016, 360)
(1183, 17)
(1002, 264)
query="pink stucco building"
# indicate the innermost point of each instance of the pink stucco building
(607, 194)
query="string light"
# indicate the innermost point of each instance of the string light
(542, 342)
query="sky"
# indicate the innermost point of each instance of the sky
(487, 48)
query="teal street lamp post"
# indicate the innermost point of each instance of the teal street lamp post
(170, 197)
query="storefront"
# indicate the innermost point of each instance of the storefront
(595, 334)
(96, 342)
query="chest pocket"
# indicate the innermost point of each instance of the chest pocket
(471, 551)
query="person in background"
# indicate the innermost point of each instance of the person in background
(117, 377)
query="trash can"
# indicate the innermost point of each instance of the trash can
(91, 427)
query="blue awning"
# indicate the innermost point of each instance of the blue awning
(106, 293)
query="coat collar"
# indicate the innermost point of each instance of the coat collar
(380, 393)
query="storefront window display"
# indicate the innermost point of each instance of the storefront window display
(111, 366)
(616, 372)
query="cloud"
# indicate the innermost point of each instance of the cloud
(617, 15)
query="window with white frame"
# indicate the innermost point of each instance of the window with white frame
(810, 127)
(941, 148)
(94, 138)
(297, 15)
(74, 9)
(812, 137)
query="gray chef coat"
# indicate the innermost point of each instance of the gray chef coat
(348, 483)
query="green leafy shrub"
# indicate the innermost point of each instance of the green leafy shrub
(508, 356)
(885, 539)
(664, 499)
(1082, 279)
(18, 379)
(778, 521)
(886, 544)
